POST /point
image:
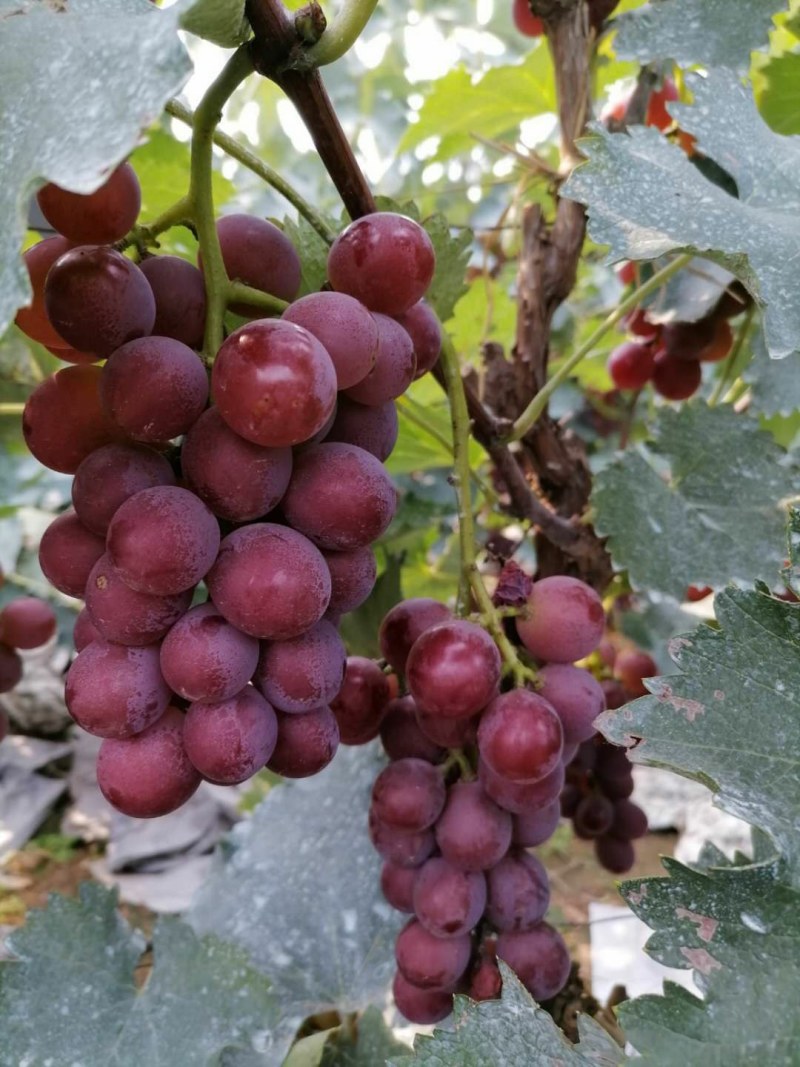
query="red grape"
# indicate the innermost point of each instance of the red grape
(563, 619)
(180, 296)
(231, 739)
(398, 847)
(27, 622)
(67, 553)
(524, 19)
(593, 816)
(33, 320)
(448, 901)
(430, 962)
(97, 299)
(473, 833)
(629, 820)
(536, 826)
(115, 691)
(384, 260)
(101, 217)
(109, 476)
(397, 885)
(408, 795)
(657, 114)
(401, 735)
(676, 379)
(631, 667)
(11, 670)
(154, 388)
(237, 479)
(270, 581)
(361, 702)
(638, 323)
(125, 616)
(520, 736)
(420, 1006)
(257, 253)
(4, 725)
(698, 592)
(577, 697)
(344, 327)
(518, 892)
(687, 340)
(274, 383)
(631, 365)
(305, 672)
(626, 272)
(613, 693)
(404, 623)
(486, 982)
(64, 421)
(84, 631)
(521, 797)
(374, 428)
(539, 957)
(394, 367)
(339, 496)
(422, 326)
(614, 854)
(306, 743)
(720, 346)
(150, 774)
(449, 733)
(352, 578)
(204, 658)
(453, 669)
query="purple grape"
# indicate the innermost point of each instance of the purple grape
(618, 788)
(420, 1006)
(394, 367)
(270, 581)
(154, 388)
(163, 540)
(345, 329)
(352, 578)
(306, 743)
(237, 479)
(84, 631)
(430, 962)
(615, 854)
(449, 733)
(400, 848)
(518, 892)
(521, 797)
(401, 735)
(593, 816)
(520, 736)
(228, 741)
(109, 476)
(422, 326)
(150, 774)
(535, 827)
(205, 659)
(629, 821)
(116, 691)
(180, 296)
(11, 670)
(453, 670)
(409, 795)
(257, 253)
(473, 833)
(563, 619)
(340, 497)
(577, 697)
(397, 885)
(539, 957)
(305, 672)
(127, 617)
(27, 622)
(569, 801)
(67, 553)
(448, 901)
(98, 300)
(374, 429)
(361, 702)
(404, 623)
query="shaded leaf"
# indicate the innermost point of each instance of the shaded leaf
(220, 21)
(774, 383)
(359, 628)
(374, 1044)
(778, 92)
(708, 492)
(313, 252)
(452, 256)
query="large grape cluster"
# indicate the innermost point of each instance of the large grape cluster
(453, 829)
(216, 545)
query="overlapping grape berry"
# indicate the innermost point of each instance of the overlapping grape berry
(26, 622)
(454, 830)
(216, 547)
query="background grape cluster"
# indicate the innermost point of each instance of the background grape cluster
(27, 622)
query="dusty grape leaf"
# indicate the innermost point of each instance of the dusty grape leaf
(69, 995)
(730, 718)
(297, 888)
(791, 569)
(703, 502)
(715, 33)
(737, 927)
(774, 383)
(75, 101)
(511, 1030)
(646, 199)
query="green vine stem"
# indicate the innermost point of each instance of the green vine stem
(238, 293)
(262, 170)
(342, 33)
(731, 362)
(529, 416)
(179, 214)
(201, 197)
(458, 758)
(11, 409)
(471, 585)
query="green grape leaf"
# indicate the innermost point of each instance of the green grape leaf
(297, 887)
(791, 569)
(738, 928)
(774, 383)
(359, 628)
(221, 21)
(74, 103)
(729, 718)
(778, 92)
(709, 491)
(715, 33)
(313, 253)
(452, 256)
(70, 995)
(457, 109)
(646, 199)
(372, 1046)
(511, 1030)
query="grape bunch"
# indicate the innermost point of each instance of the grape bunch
(26, 622)
(477, 766)
(216, 545)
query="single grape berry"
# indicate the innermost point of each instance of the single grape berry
(401, 735)
(374, 429)
(109, 476)
(361, 702)
(431, 962)
(629, 821)
(448, 901)
(398, 847)
(518, 892)
(577, 697)
(303, 673)
(631, 365)
(536, 826)
(101, 217)
(205, 659)
(180, 296)
(631, 667)
(521, 797)
(404, 623)
(228, 741)
(384, 260)
(614, 854)
(397, 885)
(453, 670)
(344, 327)
(260, 255)
(486, 982)
(408, 795)
(394, 367)
(11, 670)
(593, 816)
(422, 326)
(27, 622)
(449, 733)
(520, 736)
(563, 619)
(676, 379)
(420, 1006)
(473, 833)
(306, 743)
(126, 616)
(524, 19)
(67, 553)
(353, 576)
(84, 631)
(539, 957)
